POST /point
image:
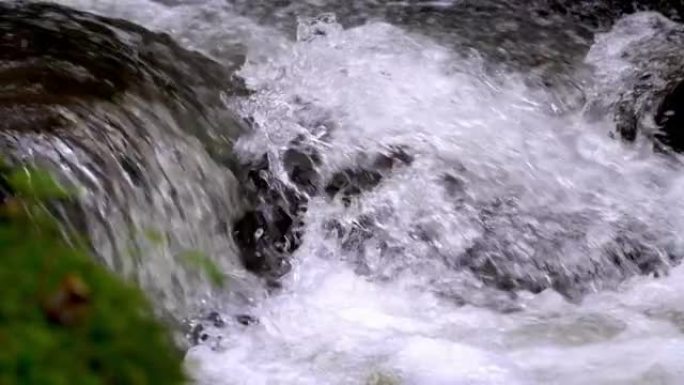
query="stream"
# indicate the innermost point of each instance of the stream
(418, 193)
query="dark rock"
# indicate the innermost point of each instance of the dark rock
(78, 62)
(647, 98)
(216, 319)
(197, 334)
(536, 251)
(246, 320)
(636, 254)
(210, 329)
(515, 250)
(265, 244)
(300, 163)
(626, 121)
(352, 182)
(132, 120)
(206, 336)
(454, 185)
(52, 56)
(670, 117)
(269, 232)
(603, 13)
(527, 36)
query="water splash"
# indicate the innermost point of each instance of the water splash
(497, 178)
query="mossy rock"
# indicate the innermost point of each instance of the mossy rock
(64, 319)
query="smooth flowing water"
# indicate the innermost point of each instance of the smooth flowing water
(509, 178)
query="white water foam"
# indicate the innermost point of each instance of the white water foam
(377, 87)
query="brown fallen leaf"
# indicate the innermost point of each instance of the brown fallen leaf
(69, 304)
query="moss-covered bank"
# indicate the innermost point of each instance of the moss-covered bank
(65, 320)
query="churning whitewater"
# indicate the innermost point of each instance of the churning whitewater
(512, 239)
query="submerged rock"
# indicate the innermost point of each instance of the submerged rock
(366, 175)
(670, 115)
(271, 230)
(550, 250)
(211, 329)
(485, 251)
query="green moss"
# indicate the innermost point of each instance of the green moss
(63, 318)
(199, 261)
(380, 378)
(36, 184)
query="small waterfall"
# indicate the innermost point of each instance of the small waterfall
(141, 128)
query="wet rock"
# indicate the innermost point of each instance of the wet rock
(453, 185)
(645, 98)
(269, 232)
(206, 329)
(525, 251)
(351, 182)
(54, 58)
(216, 319)
(634, 252)
(284, 13)
(526, 35)
(212, 328)
(301, 162)
(88, 59)
(197, 334)
(603, 13)
(261, 242)
(246, 319)
(535, 251)
(670, 116)
(516, 249)
(202, 334)
(136, 123)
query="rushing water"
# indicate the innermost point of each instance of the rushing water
(512, 178)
